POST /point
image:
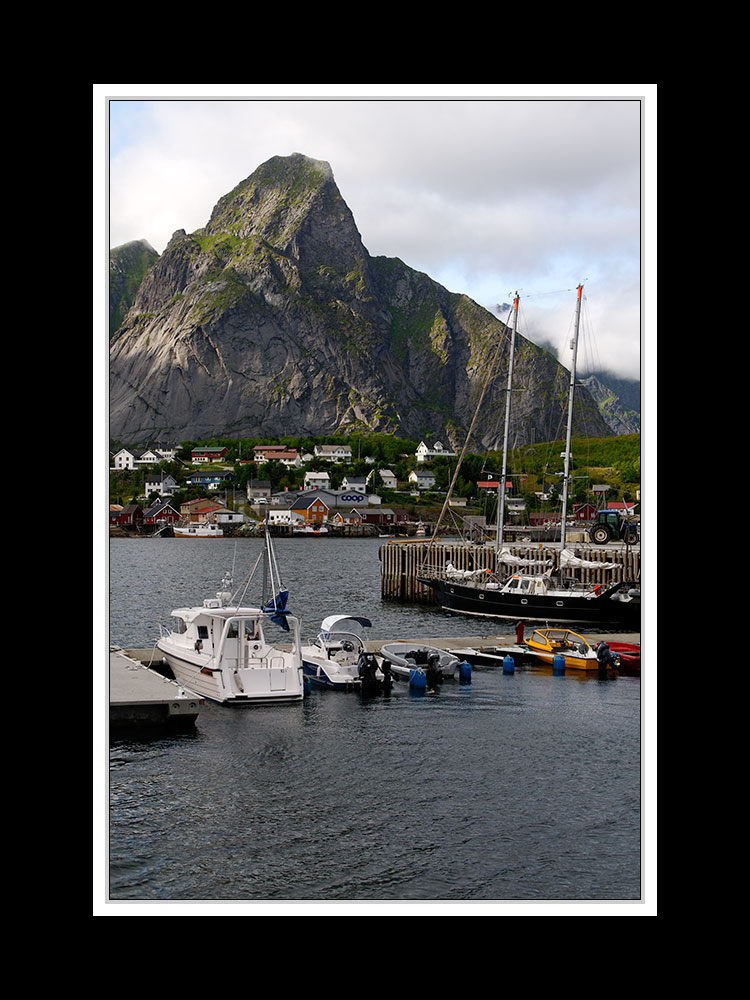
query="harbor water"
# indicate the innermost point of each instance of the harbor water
(523, 787)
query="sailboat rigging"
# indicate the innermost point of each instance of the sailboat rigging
(536, 597)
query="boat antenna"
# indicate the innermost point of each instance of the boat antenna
(571, 392)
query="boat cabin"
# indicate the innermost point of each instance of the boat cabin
(558, 640)
(519, 584)
(231, 637)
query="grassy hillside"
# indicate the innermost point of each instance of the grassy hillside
(613, 461)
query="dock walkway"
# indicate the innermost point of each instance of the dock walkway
(453, 643)
(139, 696)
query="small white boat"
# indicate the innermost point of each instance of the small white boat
(404, 657)
(198, 529)
(310, 529)
(338, 658)
(221, 649)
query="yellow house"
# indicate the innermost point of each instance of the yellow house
(312, 509)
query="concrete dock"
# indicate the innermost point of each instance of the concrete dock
(141, 697)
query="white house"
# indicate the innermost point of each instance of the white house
(289, 457)
(161, 483)
(226, 516)
(424, 453)
(167, 451)
(258, 489)
(354, 483)
(333, 452)
(149, 457)
(387, 478)
(123, 459)
(422, 480)
(285, 517)
(317, 480)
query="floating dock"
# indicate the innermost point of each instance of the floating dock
(142, 697)
(457, 645)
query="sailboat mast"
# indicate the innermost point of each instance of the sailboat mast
(566, 474)
(501, 484)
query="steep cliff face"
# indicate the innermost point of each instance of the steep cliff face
(618, 401)
(128, 265)
(274, 319)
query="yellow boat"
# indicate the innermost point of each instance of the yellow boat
(546, 643)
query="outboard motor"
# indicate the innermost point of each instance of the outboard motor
(367, 669)
(605, 657)
(385, 668)
(432, 671)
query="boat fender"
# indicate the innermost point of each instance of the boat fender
(558, 664)
(509, 665)
(464, 671)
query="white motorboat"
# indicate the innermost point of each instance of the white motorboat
(338, 659)
(198, 529)
(221, 649)
(405, 657)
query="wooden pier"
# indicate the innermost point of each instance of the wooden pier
(402, 562)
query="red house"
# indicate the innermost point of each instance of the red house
(130, 514)
(208, 454)
(585, 512)
(161, 512)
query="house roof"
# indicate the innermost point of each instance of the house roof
(302, 503)
(160, 504)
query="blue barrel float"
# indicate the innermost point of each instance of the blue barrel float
(558, 664)
(417, 680)
(509, 665)
(464, 672)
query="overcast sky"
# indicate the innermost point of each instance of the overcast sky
(486, 192)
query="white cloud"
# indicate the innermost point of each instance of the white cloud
(486, 196)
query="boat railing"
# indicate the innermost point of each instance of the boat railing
(329, 638)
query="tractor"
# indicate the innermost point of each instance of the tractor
(612, 525)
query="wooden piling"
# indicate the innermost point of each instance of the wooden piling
(402, 562)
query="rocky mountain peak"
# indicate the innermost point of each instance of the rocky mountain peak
(274, 319)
